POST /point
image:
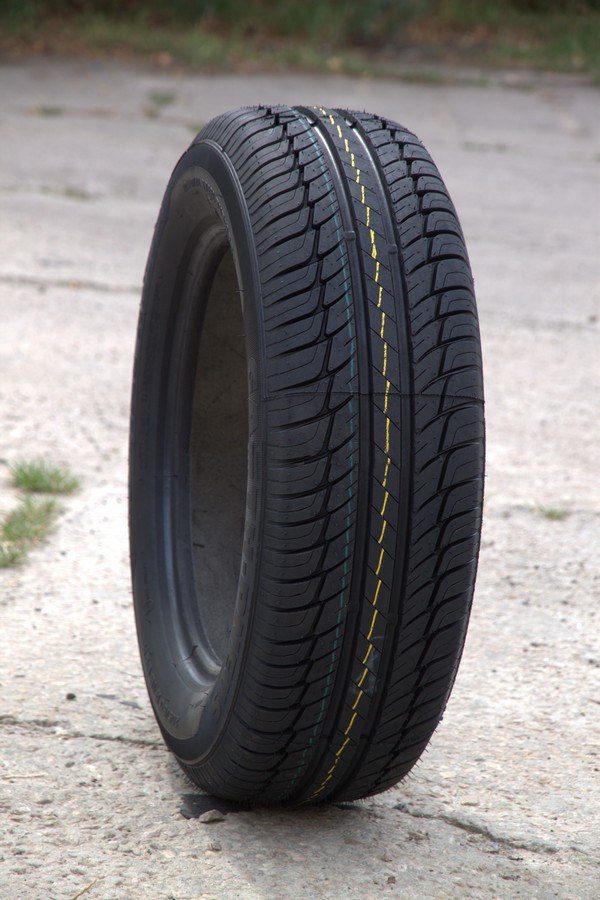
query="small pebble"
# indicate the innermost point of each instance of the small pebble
(214, 847)
(70, 696)
(211, 815)
(417, 836)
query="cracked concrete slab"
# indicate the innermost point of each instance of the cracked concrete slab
(506, 801)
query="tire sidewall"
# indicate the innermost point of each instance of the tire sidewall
(192, 715)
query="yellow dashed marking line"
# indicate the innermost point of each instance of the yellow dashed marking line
(372, 624)
(377, 591)
(351, 723)
(387, 451)
(387, 465)
(380, 556)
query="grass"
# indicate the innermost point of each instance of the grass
(158, 102)
(553, 513)
(358, 37)
(10, 556)
(31, 522)
(37, 476)
(559, 36)
(50, 112)
(161, 100)
(34, 519)
(75, 193)
(481, 147)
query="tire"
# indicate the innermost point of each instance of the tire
(307, 455)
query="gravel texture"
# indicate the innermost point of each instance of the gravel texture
(506, 803)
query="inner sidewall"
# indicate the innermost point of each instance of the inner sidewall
(218, 457)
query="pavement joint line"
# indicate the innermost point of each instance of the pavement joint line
(47, 726)
(79, 284)
(139, 115)
(71, 283)
(542, 324)
(534, 509)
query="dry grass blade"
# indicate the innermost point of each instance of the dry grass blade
(85, 889)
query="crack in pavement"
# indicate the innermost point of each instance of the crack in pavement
(474, 827)
(55, 727)
(49, 725)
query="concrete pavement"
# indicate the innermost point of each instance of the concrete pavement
(506, 803)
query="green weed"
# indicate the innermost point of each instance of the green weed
(50, 112)
(37, 476)
(162, 100)
(75, 193)
(31, 522)
(554, 513)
